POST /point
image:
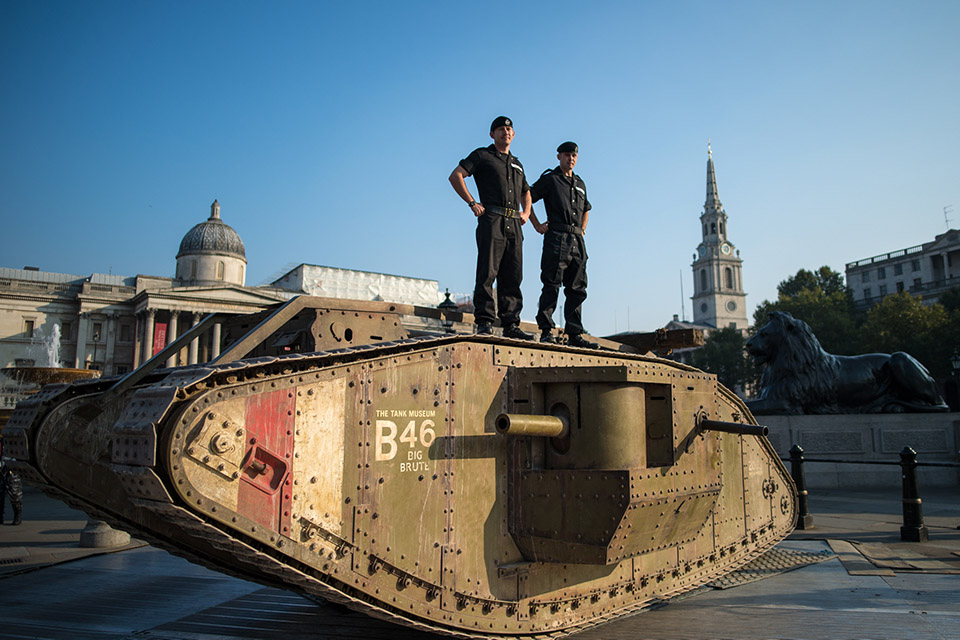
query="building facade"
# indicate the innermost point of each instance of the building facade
(718, 297)
(926, 270)
(115, 323)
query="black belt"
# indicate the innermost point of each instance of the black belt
(565, 228)
(501, 211)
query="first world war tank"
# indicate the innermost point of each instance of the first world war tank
(468, 485)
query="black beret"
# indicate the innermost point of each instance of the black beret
(500, 121)
(568, 147)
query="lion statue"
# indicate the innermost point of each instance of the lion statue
(800, 377)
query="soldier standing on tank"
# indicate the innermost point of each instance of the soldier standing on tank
(503, 208)
(564, 258)
(10, 485)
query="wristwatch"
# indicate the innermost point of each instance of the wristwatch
(471, 203)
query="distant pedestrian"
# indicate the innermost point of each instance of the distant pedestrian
(11, 486)
(564, 259)
(503, 207)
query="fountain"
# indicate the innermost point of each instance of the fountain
(25, 379)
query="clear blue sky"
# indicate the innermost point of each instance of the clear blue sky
(327, 131)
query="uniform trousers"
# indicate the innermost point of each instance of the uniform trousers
(11, 486)
(564, 261)
(500, 258)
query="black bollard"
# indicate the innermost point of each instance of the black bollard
(804, 519)
(913, 529)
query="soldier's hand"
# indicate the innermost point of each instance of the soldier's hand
(477, 209)
(541, 227)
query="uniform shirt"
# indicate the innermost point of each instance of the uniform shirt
(499, 177)
(565, 199)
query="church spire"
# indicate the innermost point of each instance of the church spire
(713, 199)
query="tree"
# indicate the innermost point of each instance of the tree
(821, 300)
(825, 279)
(902, 322)
(723, 354)
(950, 300)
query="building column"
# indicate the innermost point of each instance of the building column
(195, 343)
(79, 360)
(171, 336)
(108, 360)
(137, 328)
(216, 341)
(148, 334)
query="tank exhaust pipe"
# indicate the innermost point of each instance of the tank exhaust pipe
(515, 424)
(733, 427)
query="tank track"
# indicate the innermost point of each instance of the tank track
(262, 560)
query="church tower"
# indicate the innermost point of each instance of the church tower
(718, 298)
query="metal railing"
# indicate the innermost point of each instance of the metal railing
(913, 529)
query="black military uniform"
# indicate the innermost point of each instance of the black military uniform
(564, 258)
(500, 185)
(11, 486)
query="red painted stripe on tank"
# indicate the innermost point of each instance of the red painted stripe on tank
(268, 460)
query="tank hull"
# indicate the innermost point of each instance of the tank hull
(376, 477)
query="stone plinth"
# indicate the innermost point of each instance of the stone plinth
(934, 436)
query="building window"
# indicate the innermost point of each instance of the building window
(193, 269)
(66, 330)
(125, 332)
(899, 287)
(241, 274)
(916, 283)
(122, 368)
(898, 269)
(728, 273)
(866, 276)
(721, 228)
(881, 273)
(703, 279)
(915, 265)
(713, 227)
(866, 293)
(220, 270)
(28, 328)
(883, 290)
(97, 331)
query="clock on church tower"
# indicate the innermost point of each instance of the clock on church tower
(718, 299)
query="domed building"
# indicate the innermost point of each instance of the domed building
(211, 253)
(115, 323)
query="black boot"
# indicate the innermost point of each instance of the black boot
(514, 331)
(577, 340)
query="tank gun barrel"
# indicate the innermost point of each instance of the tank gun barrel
(733, 427)
(515, 424)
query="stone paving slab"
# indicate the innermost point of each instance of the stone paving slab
(854, 562)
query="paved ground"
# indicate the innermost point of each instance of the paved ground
(873, 587)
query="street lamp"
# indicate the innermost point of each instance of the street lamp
(447, 306)
(955, 362)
